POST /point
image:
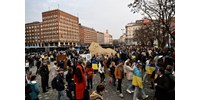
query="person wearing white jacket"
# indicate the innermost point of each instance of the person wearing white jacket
(101, 72)
(129, 75)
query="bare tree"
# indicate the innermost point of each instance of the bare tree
(161, 14)
(144, 35)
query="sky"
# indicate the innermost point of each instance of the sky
(102, 15)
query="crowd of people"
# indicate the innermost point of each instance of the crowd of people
(136, 65)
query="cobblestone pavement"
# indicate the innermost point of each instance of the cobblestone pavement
(110, 94)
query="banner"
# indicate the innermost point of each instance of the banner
(94, 66)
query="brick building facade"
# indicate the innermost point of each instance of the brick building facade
(87, 35)
(33, 34)
(59, 28)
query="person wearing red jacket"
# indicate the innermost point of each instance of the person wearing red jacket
(80, 81)
(89, 73)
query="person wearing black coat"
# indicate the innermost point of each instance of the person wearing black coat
(44, 76)
(108, 61)
(112, 72)
(60, 87)
(123, 56)
(171, 78)
(69, 63)
(115, 59)
(38, 64)
(61, 64)
(161, 85)
(71, 84)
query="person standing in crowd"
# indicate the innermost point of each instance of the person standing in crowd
(44, 73)
(28, 90)
(133, 56)
(123, 55)
(108, 63)
(101, 71)
(38, 64)
(161, 85)
(94, 64)
(52, 58)
(171, 78)
(119, 75)
(89, 73)
(30, 60)
(61, 64)
(115, 58)
(29, 75)
(129, 75)
(35, 88)
(48, 71)
(69, 64)
(60, 85)
(26, 66)
(97, 95)
(104, 63)
(137, 81)
(112, 72)
(138, 56)
(47, 66)
(80, 81)
(54, 69)
(143, 61)
(150, 72)
(71, 85)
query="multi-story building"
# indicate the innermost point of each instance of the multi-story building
(116, 42)
(110, 39)
(130, 32)
(89, 34)
(59, 28)
(33, 33)
(81, 34)
(122, 38)
(107, 38)
(100, 38)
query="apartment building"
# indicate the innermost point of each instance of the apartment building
(33, 34)
(59, 28)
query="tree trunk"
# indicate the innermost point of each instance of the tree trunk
(151, 42)
(163, 42)
(159, 42)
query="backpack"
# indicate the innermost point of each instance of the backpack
(54, 83)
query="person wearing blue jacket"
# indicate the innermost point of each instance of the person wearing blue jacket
(35, 88)
(137, 82)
